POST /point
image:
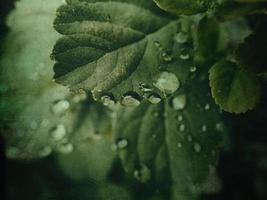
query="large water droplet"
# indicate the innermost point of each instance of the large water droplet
(197, 147)
(107, 100)
(122, 143)
(179, 102)
(143, 174)
(181, 37)
(130, 100)
(167, 82)
(154, 98)
(60, 107)
(58, 133)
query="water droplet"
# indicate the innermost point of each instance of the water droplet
(143, 174)
(181, 37)
(144, 88)
(184, 55)
(189, 138)
(130, 100)
(79, 97)
(204, 128)
(219, 127)
(166, 57)
(157, 44)
(60, 107)
(154, 98)
(45, 151)
(44, 123)
(122, 143)
(179, 145)
(180, 118)
(193, 69)
(179, 102)
(107, 100)
(167, 82)
(155, 114)
(197, 147)
(65, 148)
(181, 127)
(154, 136)
(33, 125)
(58, 133)
(207, 107)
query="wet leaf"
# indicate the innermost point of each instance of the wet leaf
(173, 146)
(116, 55)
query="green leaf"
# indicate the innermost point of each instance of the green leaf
(116, 55)
(187, 7)
(174, 142)
(234, 89)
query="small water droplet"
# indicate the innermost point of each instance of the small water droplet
(180, 118)
(144, 88)
(58, 132)
(181, 37)
(207, 106)
(166, 57)
(143, 174)
(219, 127)
(181, 127)
(44, 123)
(189, 138)
(59, 107)
(45, 151)
(179, 145)
(155, 114)
(193, 69)
(167, 82)
(197, 147)
(122, 143)
(65, 148)
(154, 98)
(130, 100)
(179, 102)
(154, 136)
(184, 55)
(33, 125)
(107, 100)
(157, 44)
(204, 128)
